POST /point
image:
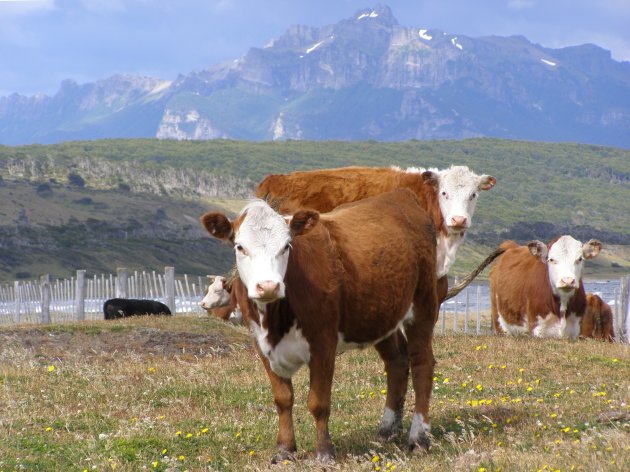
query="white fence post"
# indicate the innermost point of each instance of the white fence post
(121, 282)
(17, 305)
(169, 282)
(79, 294)
(45, 284)
(624, 299)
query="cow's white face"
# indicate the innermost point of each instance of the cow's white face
(217, 295)
(458, 190)
(262, 244)
(565, 261)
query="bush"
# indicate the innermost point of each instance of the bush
(76, 180)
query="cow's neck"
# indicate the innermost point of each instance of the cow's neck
(447, 246)
(564, 298)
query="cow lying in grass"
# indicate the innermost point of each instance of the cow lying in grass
(597, 322)
(319, 285)
(122, 307)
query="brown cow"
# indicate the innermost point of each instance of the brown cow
(449, 196)
(323, 284)
(538, 289)
(597, 321)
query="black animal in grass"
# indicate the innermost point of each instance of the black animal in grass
(115, 308)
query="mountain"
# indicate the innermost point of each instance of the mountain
(366, 77)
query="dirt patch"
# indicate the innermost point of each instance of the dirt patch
(142, 341)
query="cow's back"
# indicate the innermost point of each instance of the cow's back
(323, 190)
(597, 321)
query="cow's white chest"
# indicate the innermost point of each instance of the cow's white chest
(553, 326)
(286, 357)
(447, 247)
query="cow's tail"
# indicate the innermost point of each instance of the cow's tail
(455, 289)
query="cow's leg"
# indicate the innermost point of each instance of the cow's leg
(420, 347)
(322, 367)
(283, 398)
(393, 351)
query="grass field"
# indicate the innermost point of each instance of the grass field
(186, 393)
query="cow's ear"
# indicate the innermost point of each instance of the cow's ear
(538, 249)
(591, 249)
(431, 178)
(218, 225)
(303, 221)
(486, 182)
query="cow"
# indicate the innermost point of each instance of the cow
(597, 321)
(115, 308)
(219, 301)
(317, 285)
(537, 289)
(449, 196)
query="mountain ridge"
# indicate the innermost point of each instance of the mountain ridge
(365, 77)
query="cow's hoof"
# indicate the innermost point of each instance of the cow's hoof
(326, 457)
(387, 434)
(420, 446)
(283, 456)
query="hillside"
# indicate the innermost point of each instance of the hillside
(364, 77)
(101, 204)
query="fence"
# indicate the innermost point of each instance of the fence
(81, 298)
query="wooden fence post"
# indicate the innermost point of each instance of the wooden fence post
(169, 282)
(45, 284)
(121, 282)
(17, 305)
(79, 301)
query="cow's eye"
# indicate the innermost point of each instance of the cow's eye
(551, 261)
(239, 248)
(579, 259)
(444, 194)
(473, 196)
(285, 249)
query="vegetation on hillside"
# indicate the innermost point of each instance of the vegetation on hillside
(543, 189)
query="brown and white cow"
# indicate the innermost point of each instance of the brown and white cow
(319, 285)
(449, 196)
(538, 289)
(219, 301)
(597, 321)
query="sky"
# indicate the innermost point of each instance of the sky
(43, 42)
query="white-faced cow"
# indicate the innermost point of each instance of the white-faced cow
(318, 285)
(598, 321)
(449, 196)
(219, 300)
(538, 289)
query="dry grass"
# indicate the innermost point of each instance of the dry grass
(187, 393)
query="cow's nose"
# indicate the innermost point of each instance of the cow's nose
(204, 305)
(267, 289)
(567, 282)
(458, 221)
